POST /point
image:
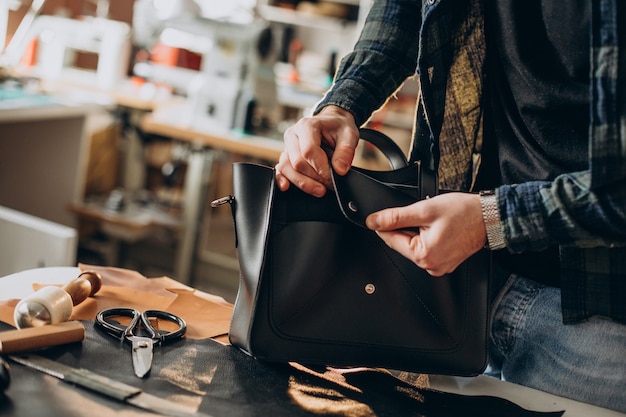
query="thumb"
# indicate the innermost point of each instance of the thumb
(391, 219)
(343, 154)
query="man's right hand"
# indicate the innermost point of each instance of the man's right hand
(305, 163)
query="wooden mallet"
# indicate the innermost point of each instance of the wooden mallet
(51, 305)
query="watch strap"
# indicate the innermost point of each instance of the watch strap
(491, 217)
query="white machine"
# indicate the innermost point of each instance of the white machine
(59, 39)
(28, 241)
(222, 94)
(221, 90)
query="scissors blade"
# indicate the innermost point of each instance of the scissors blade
(142, 354)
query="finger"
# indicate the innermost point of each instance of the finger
(286, 173)
(306, 156)
(281, 180)
(345, 146)
(409, 244)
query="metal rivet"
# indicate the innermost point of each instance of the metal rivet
(370, 288)
(352, 206)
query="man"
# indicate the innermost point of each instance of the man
(521, 99)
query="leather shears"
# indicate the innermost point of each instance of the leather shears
(140, 332)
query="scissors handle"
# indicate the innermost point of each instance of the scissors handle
(126, 332)
(162, 337)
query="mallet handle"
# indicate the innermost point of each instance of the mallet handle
(85, 285)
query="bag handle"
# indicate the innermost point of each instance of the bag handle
(361, 192)
(390, 149)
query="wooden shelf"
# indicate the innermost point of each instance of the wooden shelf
(296, 18)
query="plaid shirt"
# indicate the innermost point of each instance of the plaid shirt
(442, 43)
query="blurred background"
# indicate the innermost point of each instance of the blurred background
(120, 121)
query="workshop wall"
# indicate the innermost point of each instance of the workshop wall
(122, 157)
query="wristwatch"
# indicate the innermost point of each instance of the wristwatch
(491, 216)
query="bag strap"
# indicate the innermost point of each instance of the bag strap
(426, 151)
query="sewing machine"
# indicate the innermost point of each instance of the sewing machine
(220, 82)
(59, 40)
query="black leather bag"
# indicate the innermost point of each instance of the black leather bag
(317, 287)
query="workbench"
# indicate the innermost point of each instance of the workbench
(206, 373)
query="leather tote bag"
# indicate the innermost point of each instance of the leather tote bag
(317, 287)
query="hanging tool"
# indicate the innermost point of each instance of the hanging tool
(9, 56)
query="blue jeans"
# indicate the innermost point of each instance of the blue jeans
(531, 346)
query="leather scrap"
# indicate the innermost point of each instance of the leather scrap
(207, 315)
